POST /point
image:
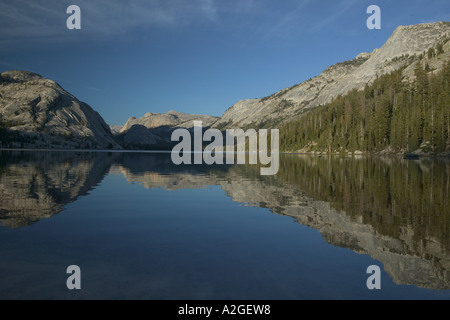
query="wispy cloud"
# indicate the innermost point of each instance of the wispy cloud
(209, 8)
(306, 17)
(27, 19)
(328, 20)
(287, 22)
(7, 64)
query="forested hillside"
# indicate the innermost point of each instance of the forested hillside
(391, 114)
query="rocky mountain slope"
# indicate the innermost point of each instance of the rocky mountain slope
(115, 129)
(171, 119)
(406, 43)
(37, 112)
(156, 128)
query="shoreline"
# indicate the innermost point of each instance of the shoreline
(315, 153)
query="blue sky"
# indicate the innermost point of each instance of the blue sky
(194, 56)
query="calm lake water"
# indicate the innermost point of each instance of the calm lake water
(140, 227)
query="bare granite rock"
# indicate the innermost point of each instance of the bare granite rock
(155, 129)
(47, 116)
(170, 119)
(115, 129)
(401, 49)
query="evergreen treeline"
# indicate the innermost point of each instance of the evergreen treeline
(390, 114)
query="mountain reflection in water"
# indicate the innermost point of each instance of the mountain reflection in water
(395, 210)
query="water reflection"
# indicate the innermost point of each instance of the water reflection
(392, 209)
(37, 185)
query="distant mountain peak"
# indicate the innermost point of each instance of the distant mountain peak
(156, 128)
(400, 49)
(171, 118)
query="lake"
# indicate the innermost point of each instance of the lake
(140, 227)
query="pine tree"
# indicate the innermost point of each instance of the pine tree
(389, 113)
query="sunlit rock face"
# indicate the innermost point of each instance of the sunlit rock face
(171, 119)
(401, 49)
(155, 129)
(47, 116)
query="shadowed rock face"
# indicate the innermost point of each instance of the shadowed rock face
(170, 119)
(47, 115)
(157, 128)
(398, 51)
(395, 210)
